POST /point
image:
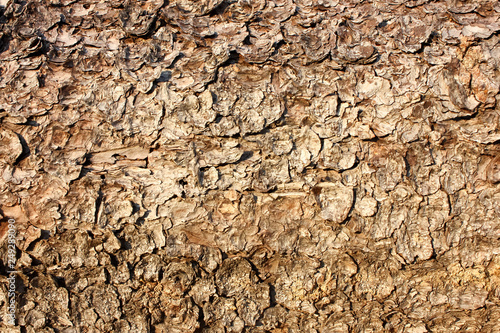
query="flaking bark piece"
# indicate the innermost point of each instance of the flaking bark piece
(10, 146)
(197, 8)
(336, 201)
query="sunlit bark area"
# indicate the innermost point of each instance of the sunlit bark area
(250, 166)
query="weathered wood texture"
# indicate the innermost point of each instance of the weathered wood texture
(251, 166)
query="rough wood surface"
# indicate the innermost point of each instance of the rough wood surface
(251, 166)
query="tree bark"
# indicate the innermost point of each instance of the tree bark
(250, 166)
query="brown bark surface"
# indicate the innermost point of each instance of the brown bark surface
(251, 166)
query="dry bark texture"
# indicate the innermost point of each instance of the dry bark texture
(252, 166)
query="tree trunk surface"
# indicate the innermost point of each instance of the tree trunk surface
(249, 166)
